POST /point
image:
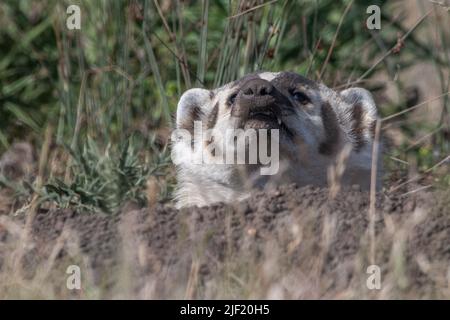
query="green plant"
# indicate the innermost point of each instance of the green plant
(125, 70)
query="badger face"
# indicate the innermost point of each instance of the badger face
(313, 125)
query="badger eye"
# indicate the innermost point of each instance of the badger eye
(301, 97)
(231, 99)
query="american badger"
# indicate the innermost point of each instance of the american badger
(302, 125)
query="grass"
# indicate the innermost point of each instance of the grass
(121, 75)
(299, 254)
(97, 104)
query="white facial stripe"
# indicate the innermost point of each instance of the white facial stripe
(222, 96)
(268, 76)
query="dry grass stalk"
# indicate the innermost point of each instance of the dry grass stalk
(373, 188)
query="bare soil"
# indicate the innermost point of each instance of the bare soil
(286, 243)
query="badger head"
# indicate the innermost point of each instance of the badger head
(305, 124)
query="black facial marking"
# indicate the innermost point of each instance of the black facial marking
(212, 117)
(195, 114)
(331, 126)
(372, 128)
(357, 130)
(231, 99)
(244, 79)
(292, 80)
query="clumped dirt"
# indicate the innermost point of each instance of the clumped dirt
(285, 243)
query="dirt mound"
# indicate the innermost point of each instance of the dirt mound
(286, 243)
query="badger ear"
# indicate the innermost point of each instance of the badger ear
(363, 97)
(360, 116)
(193, 106)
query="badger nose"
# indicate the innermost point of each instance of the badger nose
(254, 94)
(256, 88)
